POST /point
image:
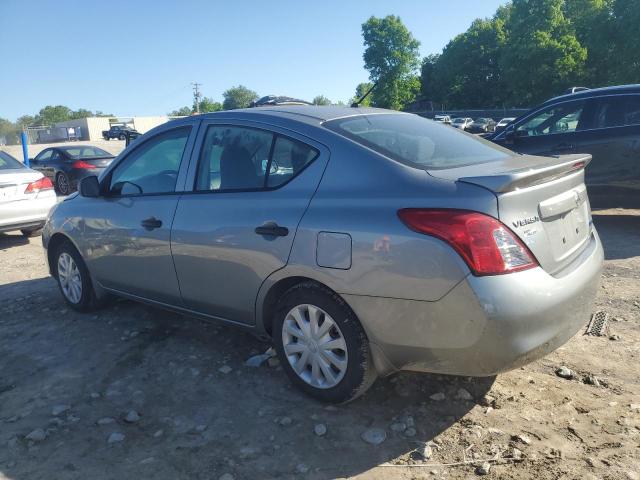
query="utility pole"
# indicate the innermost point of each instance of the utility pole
(196, 95)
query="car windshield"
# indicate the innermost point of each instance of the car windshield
(86, 152)
(416, 141)
(481, 120)
(7, 162)
(458, 120)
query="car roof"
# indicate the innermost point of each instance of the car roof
(313, 114)
(597, 92)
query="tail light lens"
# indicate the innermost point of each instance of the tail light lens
(485, 244)
(41, 184)
(82, 164)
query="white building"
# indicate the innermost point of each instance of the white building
(91, 128)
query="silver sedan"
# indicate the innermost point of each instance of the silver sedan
(26, 197)
(359, 241)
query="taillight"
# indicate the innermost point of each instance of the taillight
(485, 244)
(82, 164)
(41, 184)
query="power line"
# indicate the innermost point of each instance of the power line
(196, 95)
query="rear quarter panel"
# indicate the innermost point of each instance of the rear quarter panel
(360, 195)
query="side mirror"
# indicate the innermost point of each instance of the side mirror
(89, 187)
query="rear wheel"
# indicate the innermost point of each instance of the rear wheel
(121, 137)
(31, 232)
(322, 345)
(73, 278)
(62, 184)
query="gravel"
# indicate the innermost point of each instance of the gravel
(564, 372)
(374, 436)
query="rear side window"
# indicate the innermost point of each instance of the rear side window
(289, 158)
(243, 158)
(617, 111)
(153, 166)
(416, 141)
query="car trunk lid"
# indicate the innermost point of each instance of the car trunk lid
(13, 183)
(543, 200)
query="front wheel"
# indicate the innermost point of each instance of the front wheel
(73, 278)
(322, 345)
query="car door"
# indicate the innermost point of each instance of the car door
(42, 163)
(251, 186)
(552, 130)
(614, 143)
(127, 229)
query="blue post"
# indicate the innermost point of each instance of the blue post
(25, 149)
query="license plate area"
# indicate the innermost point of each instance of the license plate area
(7, 192)
(568, 231)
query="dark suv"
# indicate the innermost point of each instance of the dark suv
(604, 122)
(118, 131)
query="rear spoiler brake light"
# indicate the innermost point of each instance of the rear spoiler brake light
(530, 176)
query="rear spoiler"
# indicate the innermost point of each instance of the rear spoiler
(530, 176)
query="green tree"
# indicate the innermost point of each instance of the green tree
(361, 89)
(392, 57)
(238, 97)
(544, 56)
(427, 76)
(53, 114)
(9, 131)
(321, 100)
(25, 121)
(80, 113)
(181, 112)
(207, 104)
(468, 73)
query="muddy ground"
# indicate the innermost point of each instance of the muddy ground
(69, 383)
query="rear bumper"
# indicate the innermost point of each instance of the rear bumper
(28, 213)
(484, 325)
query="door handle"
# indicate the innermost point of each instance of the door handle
(272, 229)
(151, 223)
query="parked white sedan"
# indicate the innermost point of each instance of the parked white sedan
(26, 196)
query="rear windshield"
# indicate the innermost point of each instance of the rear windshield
(7, 162)
(86, 152)
(416, 141)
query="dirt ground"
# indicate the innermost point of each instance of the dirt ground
(136, 392)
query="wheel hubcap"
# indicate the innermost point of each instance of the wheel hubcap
(69, 278)
(314, 346)
(63, 185)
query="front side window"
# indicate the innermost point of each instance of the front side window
(562, 118)
(152, 167)
(617, 111)
(416, 141)
(46, 155)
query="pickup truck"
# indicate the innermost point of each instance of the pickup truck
(117, 131)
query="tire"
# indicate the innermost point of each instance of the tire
(63, 186)
(31, 232)
(338, 385)
(121, 137)
(84, 300)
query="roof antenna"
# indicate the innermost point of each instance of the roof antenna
(357, 103)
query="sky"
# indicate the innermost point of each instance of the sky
(138, 57)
